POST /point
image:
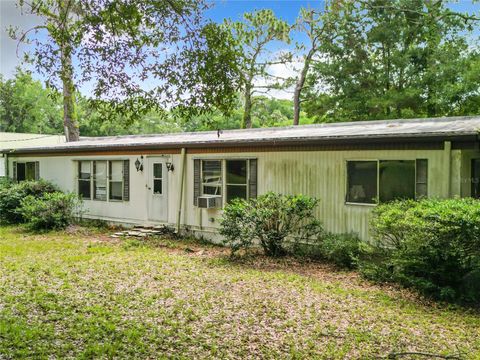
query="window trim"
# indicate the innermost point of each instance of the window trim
(346, 183)
(108, 179)
(35, 170)
(223, 172)
(153, 178)
(90, 179)
(222, 177)
(247, 178)
(377, 202)
(94, 180)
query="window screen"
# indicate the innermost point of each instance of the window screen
(236, 179)
(362, 182)
(100, 180)
(397, 180)
(21, 176)
(84, 179)
(30, 171)
(116, 180)
(157, 178)
(421, 189)
(212, 177)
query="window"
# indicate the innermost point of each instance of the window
(100, 180)
(397, 180)
(157, 178)
(362, 182)
(236, 179)
(30, 171)
(211, 177)
(475, 178)
(21, 173)
(26, 170)
(84, 179)
(115, 171)
(385, 180)
(421, 178)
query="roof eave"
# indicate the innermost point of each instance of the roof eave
(269, 143)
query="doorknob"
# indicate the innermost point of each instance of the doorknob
(149, 188)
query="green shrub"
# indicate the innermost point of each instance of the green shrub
(341, 249)
(432, 245)
(276, 222)
(52, 211)
(12, 194)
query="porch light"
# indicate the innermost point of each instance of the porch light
(169, 166)
(139, 164)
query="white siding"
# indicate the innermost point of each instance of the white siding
(316, 173)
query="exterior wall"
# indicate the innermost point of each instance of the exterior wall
(315, 173)
(62, 170)
(321, 174)
(466, 171)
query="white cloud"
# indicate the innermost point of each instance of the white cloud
(283, 71)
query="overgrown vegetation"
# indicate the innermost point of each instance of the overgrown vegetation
(51, 211)
(276, 222)
(39, 204)
(12, 194)
(431, 245)
(84, 295)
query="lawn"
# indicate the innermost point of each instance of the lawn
(83, 295)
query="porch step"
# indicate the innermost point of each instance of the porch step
(143, 231)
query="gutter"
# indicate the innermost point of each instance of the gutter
(182, 180)
(294, 141)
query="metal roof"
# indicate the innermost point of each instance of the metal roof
(360, 131)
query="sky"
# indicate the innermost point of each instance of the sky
(286, 9)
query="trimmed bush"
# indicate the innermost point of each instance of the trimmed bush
(276, 222)
(52, 211)
(12, 194)
(432, 245)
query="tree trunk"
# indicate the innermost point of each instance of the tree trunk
(299, 87)
(247, 108)
(70, 125)
(69, 116)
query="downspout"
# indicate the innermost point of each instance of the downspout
(447, 152)
(182, 180)
(5, 155)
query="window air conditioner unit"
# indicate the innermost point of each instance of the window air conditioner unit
(209, 201)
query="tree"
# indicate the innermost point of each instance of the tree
(394, 59)
(315, 25)
(25, 106)
(120, 44)
(253, 36)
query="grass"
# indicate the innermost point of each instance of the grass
(83, 295)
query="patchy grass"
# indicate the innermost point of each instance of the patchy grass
(81, 295)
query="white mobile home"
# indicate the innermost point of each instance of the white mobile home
(185, 179)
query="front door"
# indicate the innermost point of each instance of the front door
(157, 189)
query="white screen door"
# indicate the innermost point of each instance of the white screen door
(157, 190)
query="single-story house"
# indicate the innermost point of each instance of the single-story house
(9, 140)
(184, 179)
